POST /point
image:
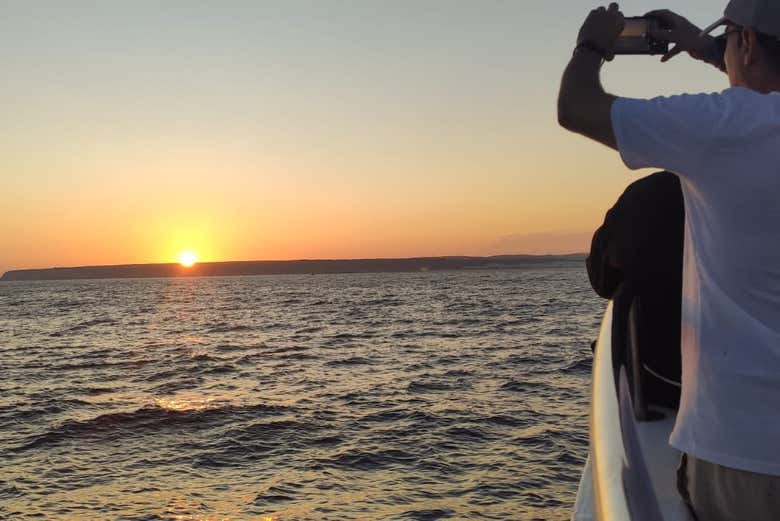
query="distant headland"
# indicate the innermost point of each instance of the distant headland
(293, 267)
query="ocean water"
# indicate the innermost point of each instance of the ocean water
(421, 396)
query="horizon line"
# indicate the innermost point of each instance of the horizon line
(300, 260)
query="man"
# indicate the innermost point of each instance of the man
(641, 243)
(724, 148)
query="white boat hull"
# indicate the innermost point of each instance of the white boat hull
(625, 454)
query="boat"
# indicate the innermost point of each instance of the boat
(631, 470)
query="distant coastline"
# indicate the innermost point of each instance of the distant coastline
(292, 267)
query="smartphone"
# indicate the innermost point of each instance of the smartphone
(635, 40)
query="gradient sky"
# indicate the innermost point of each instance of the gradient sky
(320, 129)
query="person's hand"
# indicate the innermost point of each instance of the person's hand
(602, 28)
(686, 37)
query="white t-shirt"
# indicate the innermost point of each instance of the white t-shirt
(726, 150)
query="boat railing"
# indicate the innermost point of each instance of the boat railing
(624, 489)
(627, 328)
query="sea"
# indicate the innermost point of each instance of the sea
(411, 396)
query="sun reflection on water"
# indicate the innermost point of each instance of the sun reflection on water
(184, 403)
(202, 517)
(190, 509)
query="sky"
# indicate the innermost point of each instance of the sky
(249, 130)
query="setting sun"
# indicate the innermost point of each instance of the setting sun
(187, 259)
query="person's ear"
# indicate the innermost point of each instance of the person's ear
(749, 46)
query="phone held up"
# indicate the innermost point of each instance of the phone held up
(635, 37)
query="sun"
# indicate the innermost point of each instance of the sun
(188, 259)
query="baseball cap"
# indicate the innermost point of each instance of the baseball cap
(762, 16)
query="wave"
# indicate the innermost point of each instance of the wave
(233, 347)
(21, 413)
(204, 357)
(278, 494)
(168, 376)
(224, 327)
(523, 360)
(150, 419)
(327, 441)
(92, 364)
(10, 492)
(458, 373)
(386, 416)
(461, 322)
(581, 366)
(573, 459)
(248, 359)
(298, 356)
(505, 420)
(542, 439)
(470, 434)
(425, 387)
(529, 387)
(425, 334)
(308, 330)
(438, 382)
(81, 326)
(180, 384)
(220, 369)
(419, 366)
(67, 303)
(354, 360)
(260, 430)
(288, 349)
(95, 391)
(368, 460)
(428, 515)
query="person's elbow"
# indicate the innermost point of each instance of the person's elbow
(565, 118)
(568, 116)
(589, 116)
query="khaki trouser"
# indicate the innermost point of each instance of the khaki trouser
(717, 493)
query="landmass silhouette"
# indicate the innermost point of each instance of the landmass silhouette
(293, 267)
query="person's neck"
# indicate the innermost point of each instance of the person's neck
(764, 85)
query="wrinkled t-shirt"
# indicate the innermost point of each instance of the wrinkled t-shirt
(725, 147)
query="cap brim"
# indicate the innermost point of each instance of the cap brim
(707, 30)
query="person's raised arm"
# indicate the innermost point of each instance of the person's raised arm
(583, 105)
